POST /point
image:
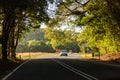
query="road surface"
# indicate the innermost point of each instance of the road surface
(64, 69)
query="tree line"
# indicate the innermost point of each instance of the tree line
(41, 40)
(34, 41)
(99, 21)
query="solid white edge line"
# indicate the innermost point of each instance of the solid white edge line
(4, 78)
(75, 70)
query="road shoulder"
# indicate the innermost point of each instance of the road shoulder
(110, 63)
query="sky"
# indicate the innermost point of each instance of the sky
(52, 8)
(51, 12)
(64, 27)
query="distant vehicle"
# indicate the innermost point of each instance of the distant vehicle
(63, 53)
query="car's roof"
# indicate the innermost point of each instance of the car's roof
(63, 50)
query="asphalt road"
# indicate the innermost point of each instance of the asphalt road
(64, 69)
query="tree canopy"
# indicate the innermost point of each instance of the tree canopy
(98, 19)
(17, 16)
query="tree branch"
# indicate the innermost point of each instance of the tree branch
(75, 12)
(81, 3)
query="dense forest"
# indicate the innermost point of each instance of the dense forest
(99, 21)
(34, 41)
(41, 41)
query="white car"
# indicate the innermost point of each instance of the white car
(63, 53)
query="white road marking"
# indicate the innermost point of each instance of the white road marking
(14, 70)
(87, 76)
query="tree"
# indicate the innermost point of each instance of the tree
(100, 19)
(62, 39)
(114, 10)
(14, 12)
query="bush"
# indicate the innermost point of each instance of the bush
(96, 53)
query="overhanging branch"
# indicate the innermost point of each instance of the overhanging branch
(74, 11)
(81, 3)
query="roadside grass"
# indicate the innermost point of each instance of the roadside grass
(111, 57)
(86, 55)
(32, 55)
(114, 57)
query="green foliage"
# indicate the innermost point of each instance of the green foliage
(60, 46)
(17, 16)
(62, 39)
(35, 42)
(96, 53)
(101, 30)
(38, 46)
(101, 22)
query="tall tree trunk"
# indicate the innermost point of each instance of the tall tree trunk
(6, 29)
(7, 26)
(5, 37)
(4, 48)
(15, 33)
(13, 55)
